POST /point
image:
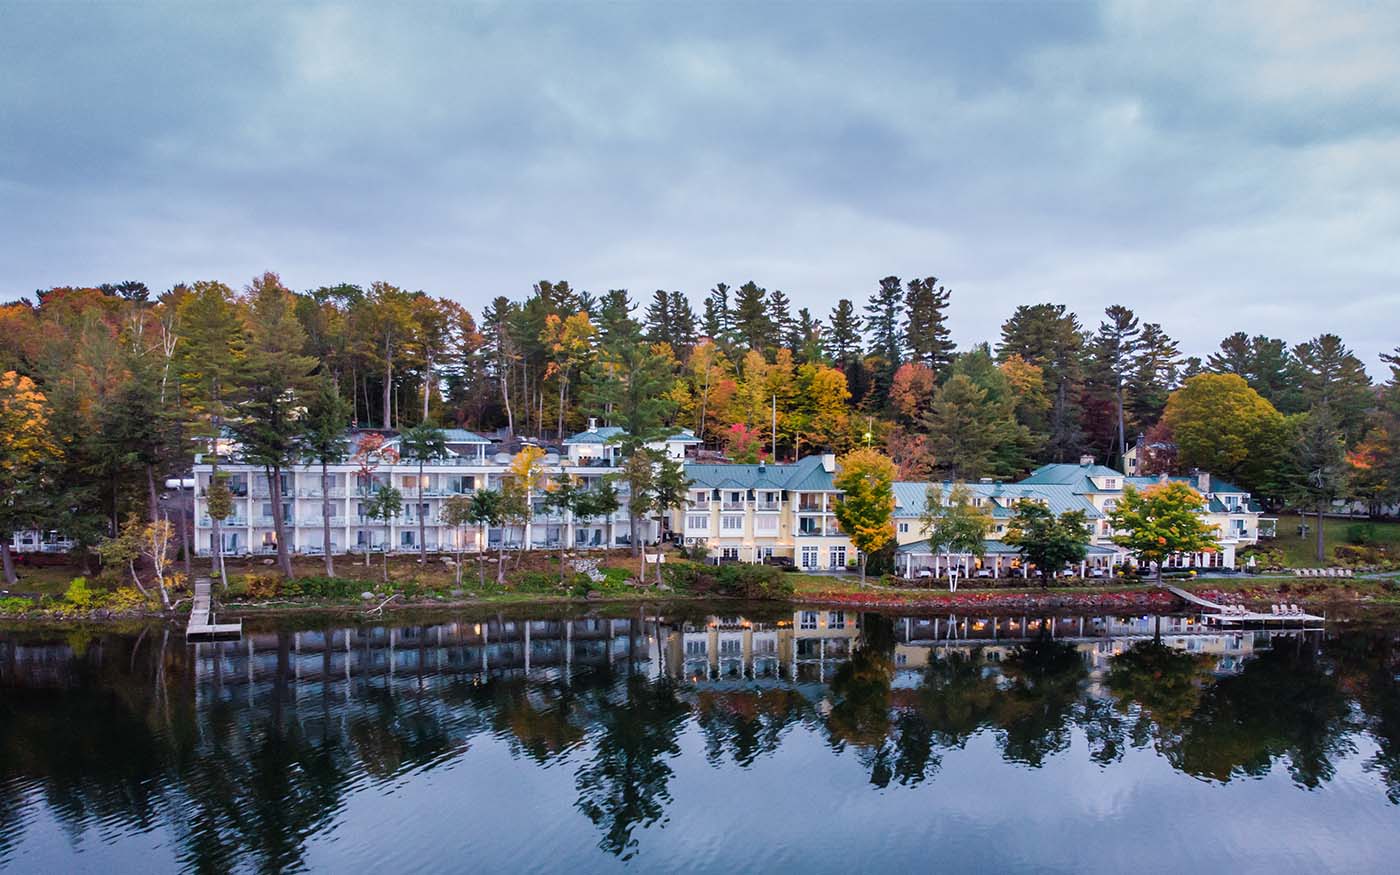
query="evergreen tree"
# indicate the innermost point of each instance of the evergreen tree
(719, 318)
(884, 314)
(753, 325)
(926, 325)
(209, 362)
(615, 322)
(843, 339)
(1154, 375)
(323, 436)
(1047, 336)
(660, 326)
(780, 316)
(1115, 351)
(806, 338)
(1335, 378)
(423, 443)
(271, 391)
(1320, 472)
(683, 327)
(1266, 365)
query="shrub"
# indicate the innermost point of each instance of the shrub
(1361, 534)
(746, 582)
(537, 581)
(81, 597)
(263, 586)
(15, 605)
(126, 599)
(322, 587)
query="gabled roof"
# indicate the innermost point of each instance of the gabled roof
(1064, 474)
(910, 497)
(806, 475)
(462, 436)
(603, 434)
(683, 436)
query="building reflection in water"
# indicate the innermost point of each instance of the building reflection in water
(213, 738)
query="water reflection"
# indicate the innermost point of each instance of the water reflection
(249, 752)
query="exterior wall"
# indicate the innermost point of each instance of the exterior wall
(785, 536)
(250, 529)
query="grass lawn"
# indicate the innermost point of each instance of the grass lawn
(1300, 552)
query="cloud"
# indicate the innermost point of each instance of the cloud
(1218, 167)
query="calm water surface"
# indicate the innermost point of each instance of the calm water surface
(819, 740)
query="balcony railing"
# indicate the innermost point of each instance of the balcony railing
(733, 505)
(767, 505)
(314, 521)
(207, 523)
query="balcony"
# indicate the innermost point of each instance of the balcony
(767, 506)
(315, 521)
(808, 506)
(207, 523)
(733, 505)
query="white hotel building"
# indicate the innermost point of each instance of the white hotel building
(470, 465)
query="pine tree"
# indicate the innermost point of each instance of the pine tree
(682, 324)
(615, 322)
(1114, 353)
(323, 436)
(926, 329)
(780, 316)
(1333, 377)
(753, 326)
(718, 320)
(270, 391)
(843, 338)
(1154, 375)
(884, 313)
(1047, 336)
(660, 326)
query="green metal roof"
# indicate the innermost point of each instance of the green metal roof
(804, 475)
(462, 436)
(605, 434)
(910, 497)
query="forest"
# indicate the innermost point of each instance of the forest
(106, 391)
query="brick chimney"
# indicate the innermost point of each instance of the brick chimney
(1203, 482)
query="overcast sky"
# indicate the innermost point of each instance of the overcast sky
(1222, 167)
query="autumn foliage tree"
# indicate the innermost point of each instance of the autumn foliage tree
(25, 448)
(1161, 521)
(866, 510)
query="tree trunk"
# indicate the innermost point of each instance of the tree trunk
(1321, 540)
(187, 538)
(1159, 573)
(501, 562)
(505, 398)
(863, 559)
(635, 530)
(326, 520)
(151, 491)
(422, 525)
(6, 560)
(279, 522)
(427, 385)
(388, 383)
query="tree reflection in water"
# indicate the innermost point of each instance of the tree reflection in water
(112, 734)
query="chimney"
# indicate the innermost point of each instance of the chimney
(761, 466)
(1086, 461)
(1203, 482)
(829, 463)
(592, 423)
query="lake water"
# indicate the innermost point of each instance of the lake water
(816, 740)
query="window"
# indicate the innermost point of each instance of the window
(836, 620)
(808, 620)
(762, 553)
(1110, 483)
(904, 528)
(697, 521)
(406, 537)
(766, 523)
(1110, 503)
(809, 557)
(837, 557)
(729, 553)
(731, 523)
(731, 647)
(695, 648)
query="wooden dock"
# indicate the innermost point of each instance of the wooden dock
(202, 625)
(1225, 616)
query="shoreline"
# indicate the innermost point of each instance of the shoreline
(1134, 597)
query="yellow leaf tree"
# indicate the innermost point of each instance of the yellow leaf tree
(25, 447)
(866, 510)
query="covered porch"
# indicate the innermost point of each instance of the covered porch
(1000, 560)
